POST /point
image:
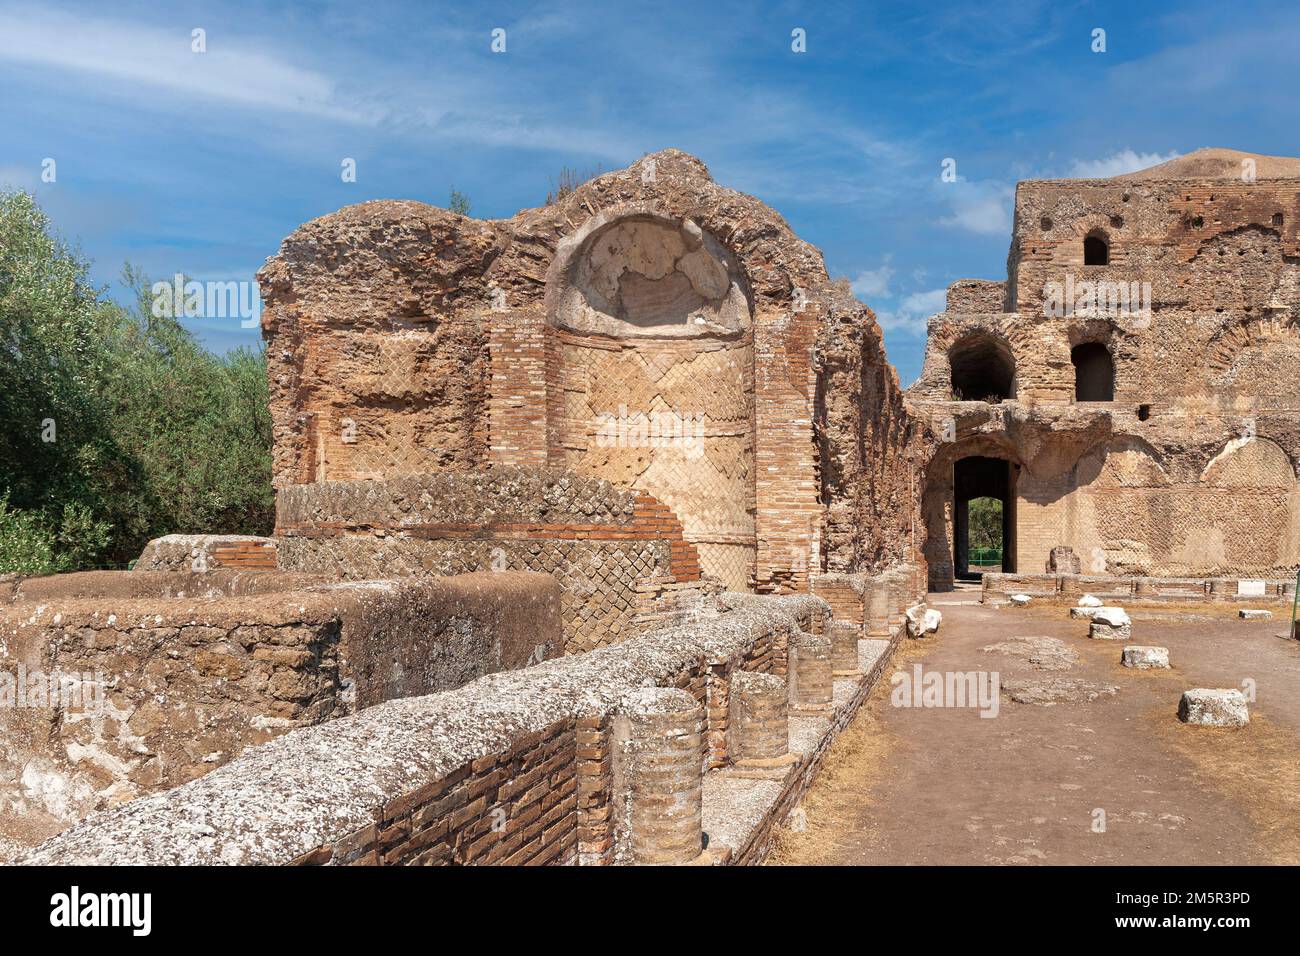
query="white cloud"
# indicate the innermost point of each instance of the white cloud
(1116, 164)
(980, 207)
(231, 70)
(912, 311)
(873, 283)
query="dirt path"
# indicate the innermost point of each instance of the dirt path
(1095, 745)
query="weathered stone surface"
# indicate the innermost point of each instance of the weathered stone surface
(1090, 600)
(1044, 653)
(1021, 600)
(922, 620)
(1110, 624)
(1137, 364)
(178, 672)
(408, 341)
(1250, 614)
(1085, 613)
(1213, 708)
(1055, 690)
(1145, 656)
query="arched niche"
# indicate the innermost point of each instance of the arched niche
(652, 375)
(1254, 463)
(647, 274)
(983, 368)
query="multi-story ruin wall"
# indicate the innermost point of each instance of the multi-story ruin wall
(652, 330)
(1132, 391)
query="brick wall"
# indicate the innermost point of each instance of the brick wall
(180, 671)
(612, 550)
(514, 767)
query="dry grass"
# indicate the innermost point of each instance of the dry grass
(841, 794)
(1256, 767)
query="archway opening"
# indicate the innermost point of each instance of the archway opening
(984, 505)
(1094, 373)
(983, 369)
(1096, 250)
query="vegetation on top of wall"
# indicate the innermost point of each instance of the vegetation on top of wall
(116, 426)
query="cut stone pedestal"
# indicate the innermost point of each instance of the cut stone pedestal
(1213, 708)
(1145, 656)
(1110, 624)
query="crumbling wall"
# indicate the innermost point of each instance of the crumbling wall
(615, 552)
(871, 452)
(154, 689)
(406, 340)
(1205, 343)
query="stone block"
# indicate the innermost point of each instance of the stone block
(1145, 657)
(1213, 708)
(1110, 624)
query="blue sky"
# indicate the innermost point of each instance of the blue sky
(202, 163)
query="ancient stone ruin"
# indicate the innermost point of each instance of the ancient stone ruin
(1131, 390)
(618, 503)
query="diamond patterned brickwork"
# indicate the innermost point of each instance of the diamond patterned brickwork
(607, 547)
(673, 418)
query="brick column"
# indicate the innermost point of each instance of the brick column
(760, 716)
(811, 681)
(659, 777)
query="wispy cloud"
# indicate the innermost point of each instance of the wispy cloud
(910, 313)
(873, 283)
(1116, 164)
(233, 69)
(982, 207)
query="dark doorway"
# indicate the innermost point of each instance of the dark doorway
(1094, 373)
(979, 477)
(982, 369)
(1096, 251)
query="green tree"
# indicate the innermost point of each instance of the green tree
(115, 426)
(458, 203)
(984, 523)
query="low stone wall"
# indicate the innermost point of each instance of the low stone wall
(126, 683)
(615, 552)
(874, 602)
(531, 766)
(208, 552)
(1067, 588)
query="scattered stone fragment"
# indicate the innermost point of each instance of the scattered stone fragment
(922, 620)
(1055, 690)
(1090, 600)
(1044, 653)
(1110, 624)
(1251, 614)
(1213, 708)
(1084, 612)
(1145, 656)
(1020, 600)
